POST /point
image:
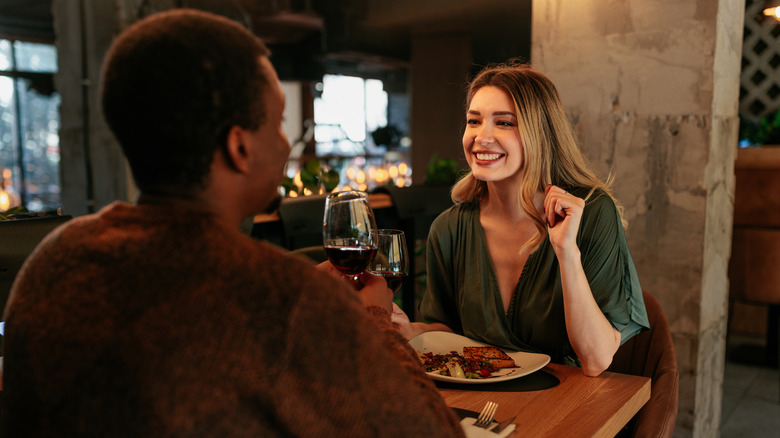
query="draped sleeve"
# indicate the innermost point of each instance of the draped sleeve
(609, 267)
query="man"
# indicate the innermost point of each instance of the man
(162, 318)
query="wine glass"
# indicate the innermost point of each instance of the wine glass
(391, 260)
(346, 232)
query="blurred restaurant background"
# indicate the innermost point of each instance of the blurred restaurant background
(677, 100)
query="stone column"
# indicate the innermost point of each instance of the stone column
(92, 165)
(652, 89)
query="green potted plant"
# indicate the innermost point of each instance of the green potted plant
(760, 132)
(12, 212)
(314, 175)
(442, 171)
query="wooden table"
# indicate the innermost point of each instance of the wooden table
(578, 406)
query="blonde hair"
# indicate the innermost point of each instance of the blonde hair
(550, 151)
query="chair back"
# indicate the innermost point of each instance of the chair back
(651, 354)
(301, 219)
(416, 207)
(755, 247)
(753, 273)
(421, 204)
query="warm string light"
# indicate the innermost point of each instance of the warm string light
(361, 176)
(5, 198)
(773, 11)
(370, 176)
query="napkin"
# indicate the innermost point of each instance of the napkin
(472, 431)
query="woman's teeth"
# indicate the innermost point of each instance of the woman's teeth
(488, 157)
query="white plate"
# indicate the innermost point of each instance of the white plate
(444, 342)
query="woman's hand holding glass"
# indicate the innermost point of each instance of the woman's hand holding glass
(391, 260)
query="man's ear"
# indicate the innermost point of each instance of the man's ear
(236, 152)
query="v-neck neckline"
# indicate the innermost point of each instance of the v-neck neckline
(496, 289)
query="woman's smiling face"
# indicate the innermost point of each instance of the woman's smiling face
(491, 140)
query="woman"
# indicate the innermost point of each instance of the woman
(533, 256)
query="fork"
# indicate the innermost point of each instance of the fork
(485, 418)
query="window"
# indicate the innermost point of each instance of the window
(348, 108)
(29, 126)
(347, 115)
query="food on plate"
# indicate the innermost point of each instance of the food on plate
(455, 370)
(455, 364)
(495, 356)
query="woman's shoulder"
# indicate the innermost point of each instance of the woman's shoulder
(596, 200)
(601, 216)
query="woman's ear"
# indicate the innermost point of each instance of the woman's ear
(236, 152)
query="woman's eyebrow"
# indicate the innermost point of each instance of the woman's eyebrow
(496, 113)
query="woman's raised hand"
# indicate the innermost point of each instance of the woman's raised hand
(563, 212)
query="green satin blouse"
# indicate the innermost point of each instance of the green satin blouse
(463, 293)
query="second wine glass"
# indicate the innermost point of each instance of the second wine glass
(346, 232)
(391, 260)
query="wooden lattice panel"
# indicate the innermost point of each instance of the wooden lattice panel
(760, 79)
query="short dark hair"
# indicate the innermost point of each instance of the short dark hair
(173, 84)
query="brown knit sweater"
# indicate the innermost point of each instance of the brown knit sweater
(154, 321)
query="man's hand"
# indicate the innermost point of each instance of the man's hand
(372, 289)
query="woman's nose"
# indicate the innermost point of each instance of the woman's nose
(484, 136)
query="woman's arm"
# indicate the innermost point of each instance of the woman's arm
(593, 338)
(591, 335)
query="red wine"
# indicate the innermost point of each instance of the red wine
(351, 260)
(394, 279)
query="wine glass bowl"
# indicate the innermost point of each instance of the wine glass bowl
(391, 260)
(347, 232)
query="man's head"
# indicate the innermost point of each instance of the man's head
(173, 86)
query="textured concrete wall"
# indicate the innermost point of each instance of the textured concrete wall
(652, 88)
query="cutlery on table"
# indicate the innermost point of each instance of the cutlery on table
(485, 418)
(503, 425)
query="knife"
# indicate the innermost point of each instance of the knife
(503, 425)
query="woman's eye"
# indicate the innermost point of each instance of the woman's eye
(504, 123)
(472, 122)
